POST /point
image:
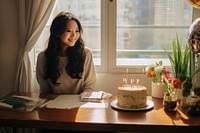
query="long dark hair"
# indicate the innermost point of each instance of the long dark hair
(75, 54)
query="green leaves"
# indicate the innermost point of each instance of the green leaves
(160, 63)
(179, 59)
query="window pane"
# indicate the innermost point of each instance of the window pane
(145, 26)
(89, 14)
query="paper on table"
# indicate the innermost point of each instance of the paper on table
(73, 101)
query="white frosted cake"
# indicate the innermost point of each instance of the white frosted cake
(132, 97)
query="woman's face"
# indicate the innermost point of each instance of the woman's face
(71, 34)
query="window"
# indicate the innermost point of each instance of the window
(144, 26)
(126, 33)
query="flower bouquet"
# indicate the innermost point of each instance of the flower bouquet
(170, 96)
(155, 72)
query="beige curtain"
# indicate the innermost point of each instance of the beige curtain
(32, 17)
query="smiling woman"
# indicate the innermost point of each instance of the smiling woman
(66, 66)
(69, 37)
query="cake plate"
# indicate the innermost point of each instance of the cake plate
(150, 105)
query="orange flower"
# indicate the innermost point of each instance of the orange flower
(150, 74)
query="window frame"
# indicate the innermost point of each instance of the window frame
(112, 67)
(108, 41)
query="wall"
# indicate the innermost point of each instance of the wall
(8, 45)
(109, 82)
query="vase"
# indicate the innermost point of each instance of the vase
(170, 101)
(157, 90)
(193, 103)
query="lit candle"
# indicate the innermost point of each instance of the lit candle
(123, 80)
(127, 70)
(137, 82)
(132, 82)
(127, 76)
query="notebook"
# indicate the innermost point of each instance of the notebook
(21, 103)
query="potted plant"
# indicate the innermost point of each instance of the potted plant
(180, 61)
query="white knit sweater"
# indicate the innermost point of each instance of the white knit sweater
(67, 84)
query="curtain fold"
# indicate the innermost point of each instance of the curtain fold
(32, 18)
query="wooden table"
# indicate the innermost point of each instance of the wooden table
(107, 119)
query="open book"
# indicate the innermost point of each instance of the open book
(92, 96)
(21, 103)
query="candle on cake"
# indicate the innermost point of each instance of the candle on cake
(131, 95)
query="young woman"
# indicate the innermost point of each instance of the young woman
(66, 66)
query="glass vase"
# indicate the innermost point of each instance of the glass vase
(193, 102)
(170, 101)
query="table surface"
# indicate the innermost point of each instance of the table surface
(102, 119)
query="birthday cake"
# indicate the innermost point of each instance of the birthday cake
(132, 97)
